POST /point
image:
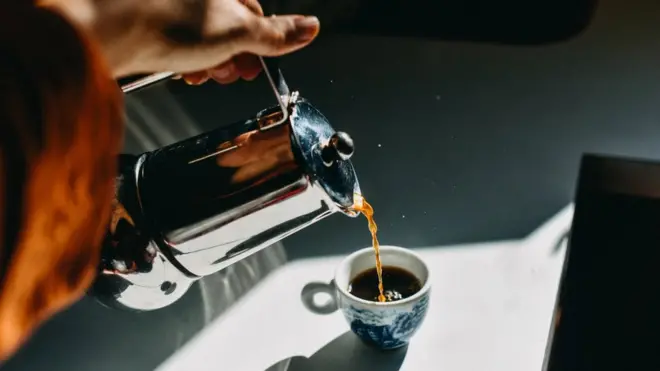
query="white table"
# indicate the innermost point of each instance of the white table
(491, 308)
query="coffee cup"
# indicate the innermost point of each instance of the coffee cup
(385, 325)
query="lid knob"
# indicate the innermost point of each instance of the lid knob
(339, 147)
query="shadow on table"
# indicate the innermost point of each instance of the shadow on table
(345, 353)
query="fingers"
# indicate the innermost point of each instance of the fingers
(275, 36)
(266, 36)
(254, 6)
(225, 73)
(244, 66)
(196, 78)
(248, 66)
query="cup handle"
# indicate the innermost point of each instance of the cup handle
(313, 288)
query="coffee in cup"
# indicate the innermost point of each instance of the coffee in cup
(401, 284)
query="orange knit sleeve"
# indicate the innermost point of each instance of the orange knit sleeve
(61, 122)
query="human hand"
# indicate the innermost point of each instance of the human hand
(220, 38)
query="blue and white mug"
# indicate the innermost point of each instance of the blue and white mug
(388, 325)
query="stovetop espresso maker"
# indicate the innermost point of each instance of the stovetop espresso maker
(192, 208)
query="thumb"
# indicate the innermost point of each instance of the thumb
(277, 35)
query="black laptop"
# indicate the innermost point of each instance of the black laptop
(608, 306)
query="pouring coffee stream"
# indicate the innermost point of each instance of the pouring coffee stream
(192, 208)
(361, 205)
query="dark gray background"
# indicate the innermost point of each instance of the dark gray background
(456, 142)
(477, 142)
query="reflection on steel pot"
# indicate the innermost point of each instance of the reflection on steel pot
(192, 208)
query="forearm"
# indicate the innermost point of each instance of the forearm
(128, 32)
(60, 130)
